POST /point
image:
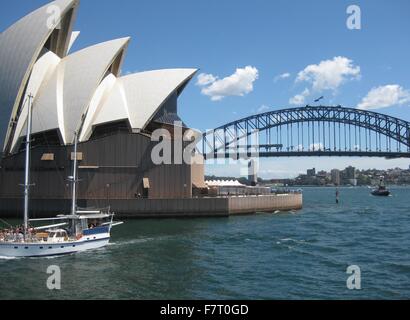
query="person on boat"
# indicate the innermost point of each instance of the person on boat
(32, 231)
(20, 237)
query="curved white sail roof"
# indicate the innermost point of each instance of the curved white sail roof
(42, 70)
(64, 100)
(20, 47)
(75, 92)
(138, 97)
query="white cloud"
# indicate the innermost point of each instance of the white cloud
(317, 147)
(263, 108)
(238, 84)
(384, 97)
(205, 79)
(282, 76)
(329, 74)
(300, 99)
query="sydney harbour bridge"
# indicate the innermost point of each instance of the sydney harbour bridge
(310, 131)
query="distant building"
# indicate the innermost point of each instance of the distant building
(335, 174)
(350, 173)
(253, 172)
(311, 172)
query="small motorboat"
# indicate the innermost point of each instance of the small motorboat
(381, 191)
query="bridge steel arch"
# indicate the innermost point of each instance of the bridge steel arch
(328, 131)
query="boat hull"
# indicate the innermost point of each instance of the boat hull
(31, 250)
(381, 194)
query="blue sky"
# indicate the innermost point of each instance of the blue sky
(272, 38)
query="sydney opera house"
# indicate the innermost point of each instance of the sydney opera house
(113, 115)
(83, 92)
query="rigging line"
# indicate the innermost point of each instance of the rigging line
(48, 148)
(6, 223)
(96, 194)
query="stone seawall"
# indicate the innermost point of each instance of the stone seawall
(160, 208)
(267, 203)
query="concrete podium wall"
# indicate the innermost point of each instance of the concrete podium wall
(159, 208)
(266, 203)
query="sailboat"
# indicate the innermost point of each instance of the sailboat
(81, 230)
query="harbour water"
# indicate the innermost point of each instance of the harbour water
(299, 255)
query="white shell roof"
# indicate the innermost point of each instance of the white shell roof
(43, 69)
(20, 47)
(75, 92)
(138, 97)
(65, 99)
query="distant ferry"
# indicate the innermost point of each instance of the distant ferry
(381, 191)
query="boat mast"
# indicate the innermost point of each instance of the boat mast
(27, 169)
(74, 200)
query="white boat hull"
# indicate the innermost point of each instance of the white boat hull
(46, 249)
